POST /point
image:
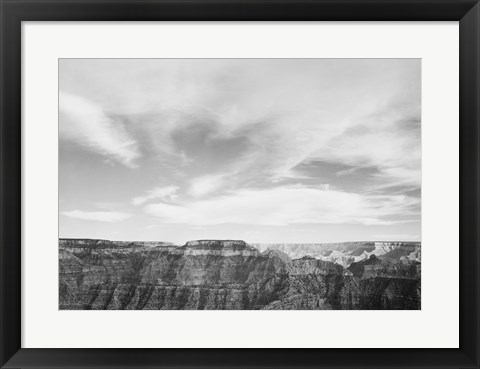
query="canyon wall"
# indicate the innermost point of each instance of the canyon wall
(345, 253)
(231, 275)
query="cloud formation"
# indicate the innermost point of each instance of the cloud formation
(98, 216)
(86, 123)
(283, 206)
(273, 142)
(205, 185)
(162, 193)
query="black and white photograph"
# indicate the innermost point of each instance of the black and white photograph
(239, 184)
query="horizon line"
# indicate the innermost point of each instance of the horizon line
(214, 239)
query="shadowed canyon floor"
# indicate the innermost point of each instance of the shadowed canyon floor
(233, 275)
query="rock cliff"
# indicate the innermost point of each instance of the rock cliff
(345, 253)
(213, 274)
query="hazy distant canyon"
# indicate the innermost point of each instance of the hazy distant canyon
(234, 275)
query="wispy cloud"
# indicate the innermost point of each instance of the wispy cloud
(283, 111)
(388, 140)
(98, 216)
(251, 141)
(162, 193)
(345, 172)
(86, 123)
(205, 185)
(288, 205)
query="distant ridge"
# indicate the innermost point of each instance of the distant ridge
(342, 253)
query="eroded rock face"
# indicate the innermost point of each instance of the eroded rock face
(213, 274)
(217, 247)
(346, 253)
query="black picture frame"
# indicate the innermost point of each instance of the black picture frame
(13, 12)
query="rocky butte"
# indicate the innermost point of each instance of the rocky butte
(233, 275)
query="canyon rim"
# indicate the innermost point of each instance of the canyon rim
(238, 178)
(232, 275)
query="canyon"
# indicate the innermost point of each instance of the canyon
(234, 275)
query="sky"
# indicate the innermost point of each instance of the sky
(263, 150)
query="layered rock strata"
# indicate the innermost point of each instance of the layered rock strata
(346, 253)
(226, 275)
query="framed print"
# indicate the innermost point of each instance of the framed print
(239, 184)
